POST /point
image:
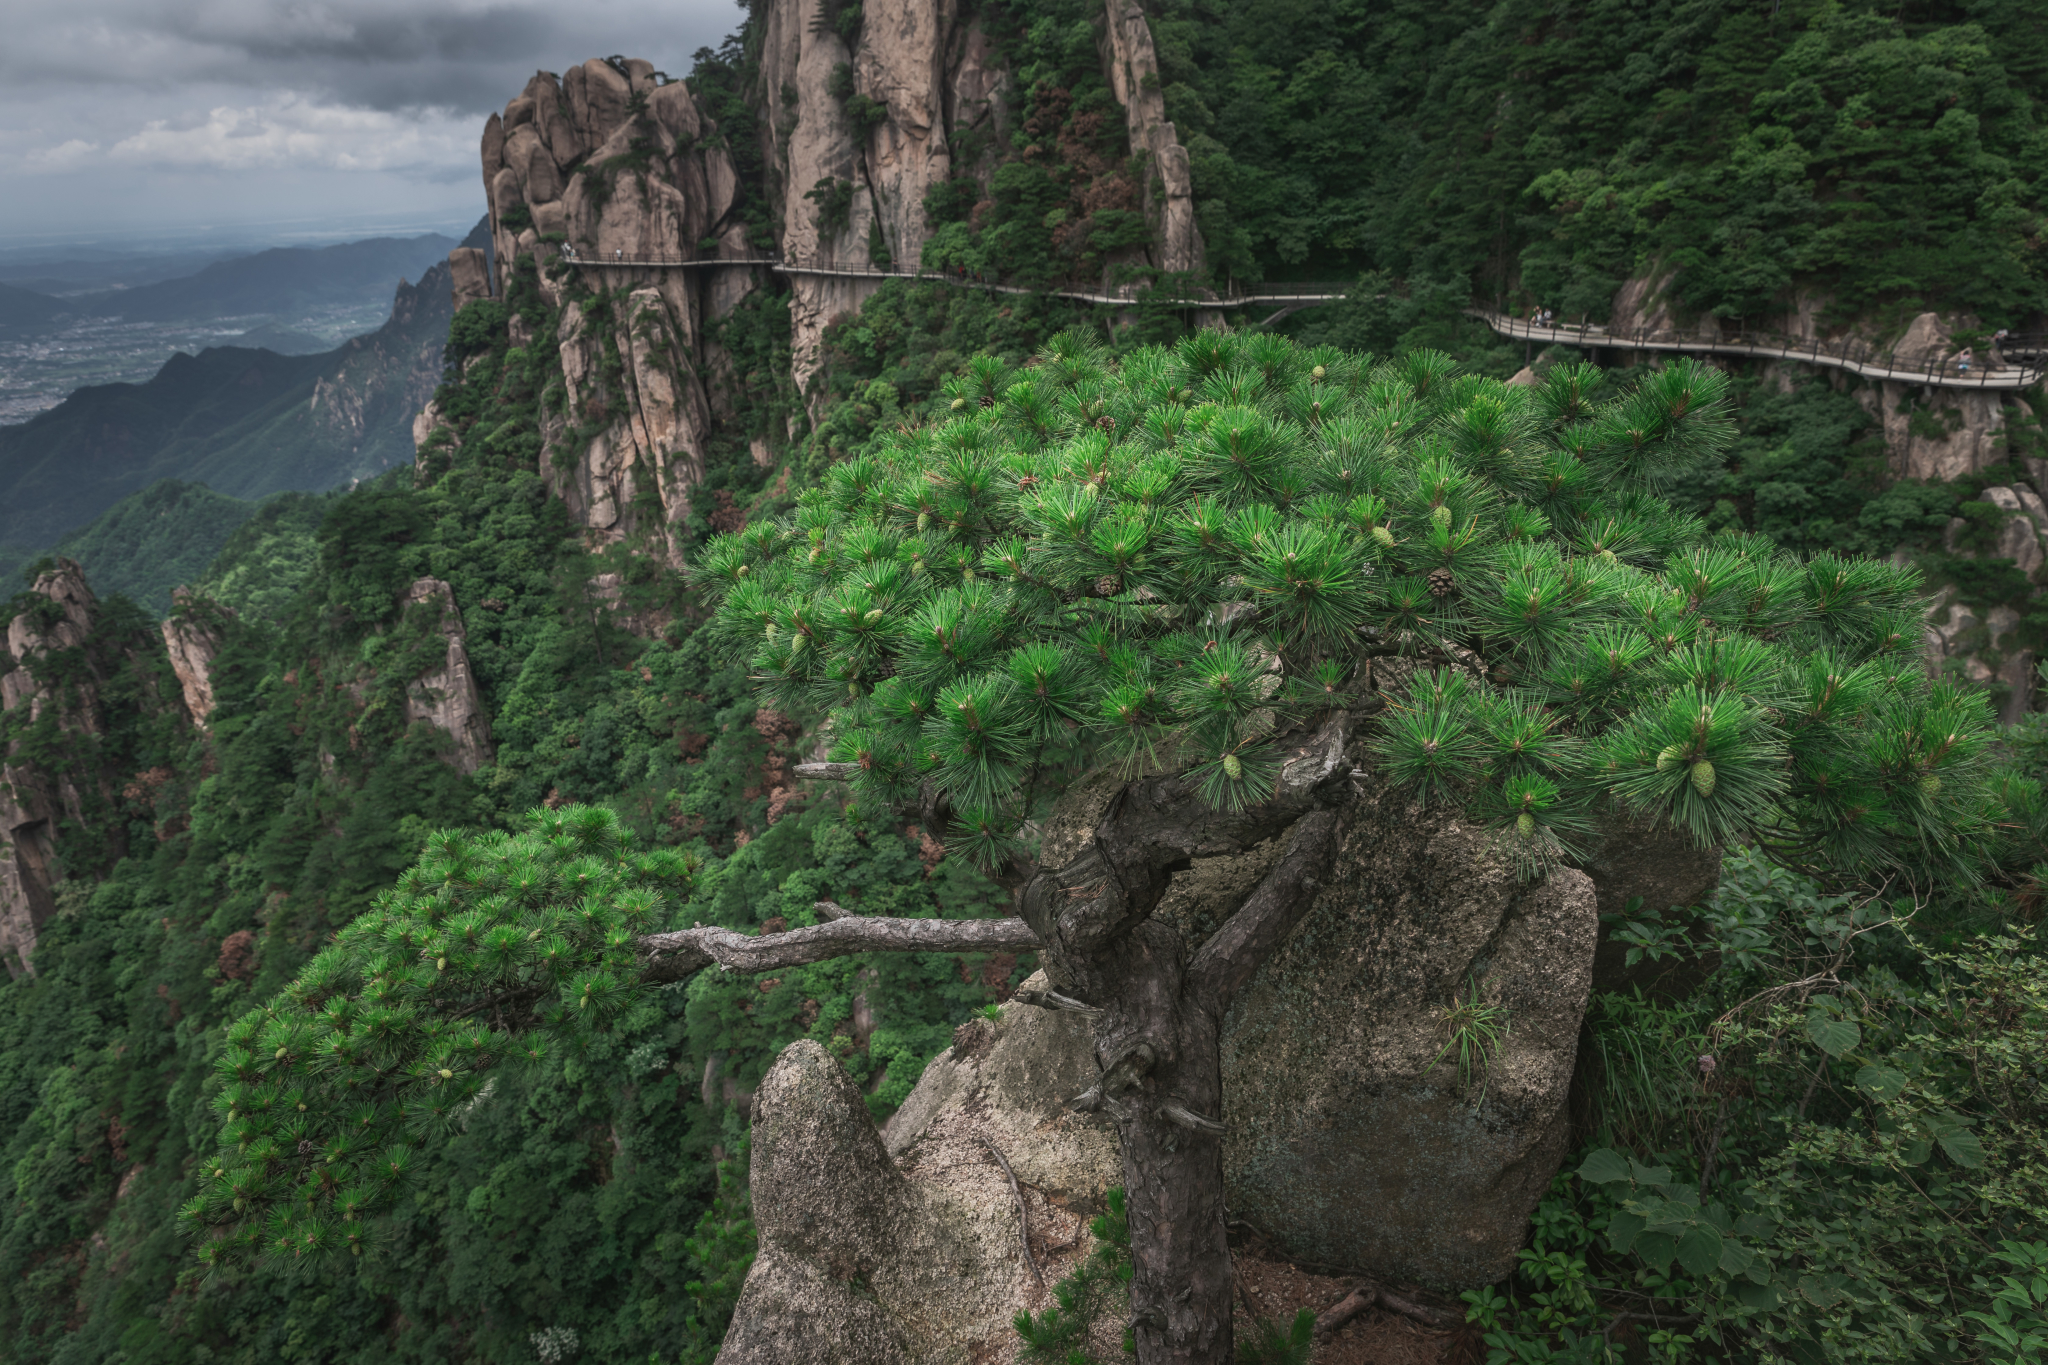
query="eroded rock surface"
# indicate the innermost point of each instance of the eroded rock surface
(192, 636)
(470, 272)
(1353, 1139)
(616, 163)
(865, 1258)
(31, 800)
(1169, 188)
(446, 696)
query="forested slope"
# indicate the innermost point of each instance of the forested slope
(1882, 161)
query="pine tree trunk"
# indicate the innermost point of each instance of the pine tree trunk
(1161, 1009)
(1173, 1176)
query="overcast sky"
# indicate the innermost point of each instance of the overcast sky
(275, 121)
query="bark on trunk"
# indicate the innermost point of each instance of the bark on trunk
(1162, 1006)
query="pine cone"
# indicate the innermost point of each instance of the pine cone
(1106, 423)
(1441, 583)
(1109, 585)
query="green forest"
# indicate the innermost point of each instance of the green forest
(1872, 1135)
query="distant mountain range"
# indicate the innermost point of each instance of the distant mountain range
(245, 422)
(284, 281)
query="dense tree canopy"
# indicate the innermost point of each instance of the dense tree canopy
(1175, 554)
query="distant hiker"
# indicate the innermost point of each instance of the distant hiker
(1963, 359)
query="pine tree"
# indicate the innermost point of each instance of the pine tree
(1239, 569)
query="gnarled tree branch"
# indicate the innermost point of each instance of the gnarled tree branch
(1235, 951)
(683, 953)
(1157, 826)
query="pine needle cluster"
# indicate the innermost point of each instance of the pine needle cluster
(1174, 555)
(488, 950)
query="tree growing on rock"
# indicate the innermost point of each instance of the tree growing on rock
(1250, 573)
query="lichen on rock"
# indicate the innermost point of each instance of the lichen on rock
(865, 1258)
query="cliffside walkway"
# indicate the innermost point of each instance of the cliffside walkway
(1288, 296)
(2018, 362)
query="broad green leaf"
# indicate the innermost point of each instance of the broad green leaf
(1962, 1147)
(1818, 1292)
(1916, 1152)
(1761, 1297)
(1735, 1257)
(1699, 1250)
(1881, 1081)
(1759, 1271)
(1649, 1175)
(1603, 1167)
(1755, 1225)
(1622, 1229)
(1665, 1215)
(1656, 1249)
(1832, 1036)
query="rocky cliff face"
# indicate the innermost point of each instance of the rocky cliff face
(192, 637)
(383, 378)
(615, 162)
(55, 628)
(445, 696)
(1932, 434)
(1133, 65)
(936, 76)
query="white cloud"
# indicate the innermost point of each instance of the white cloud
(64, 156)
(151, 111)
(286, 132)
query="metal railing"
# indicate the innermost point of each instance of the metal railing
(2012, 362)
(1298, 294)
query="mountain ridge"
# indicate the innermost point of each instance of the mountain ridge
(245, 422)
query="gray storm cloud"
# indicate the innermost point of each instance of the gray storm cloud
(216, 110)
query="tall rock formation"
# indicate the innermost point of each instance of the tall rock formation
(616, 163)
(934, 75)
(445, 695)
(193, 633)
(1169, 187)
(45, 697)
(925, 74)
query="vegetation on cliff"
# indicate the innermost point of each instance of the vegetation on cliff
(594, 1200)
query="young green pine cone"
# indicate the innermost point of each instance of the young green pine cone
(1441, 515)
(1233, 766)
(1317, 373)
(873, 615)
(1526, 823)
(959, 403)
(924, 519)
(1703, 778)
(1383, 536)
(1670, 758)
(1930, 785)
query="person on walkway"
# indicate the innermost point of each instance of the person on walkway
(1963, 359)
